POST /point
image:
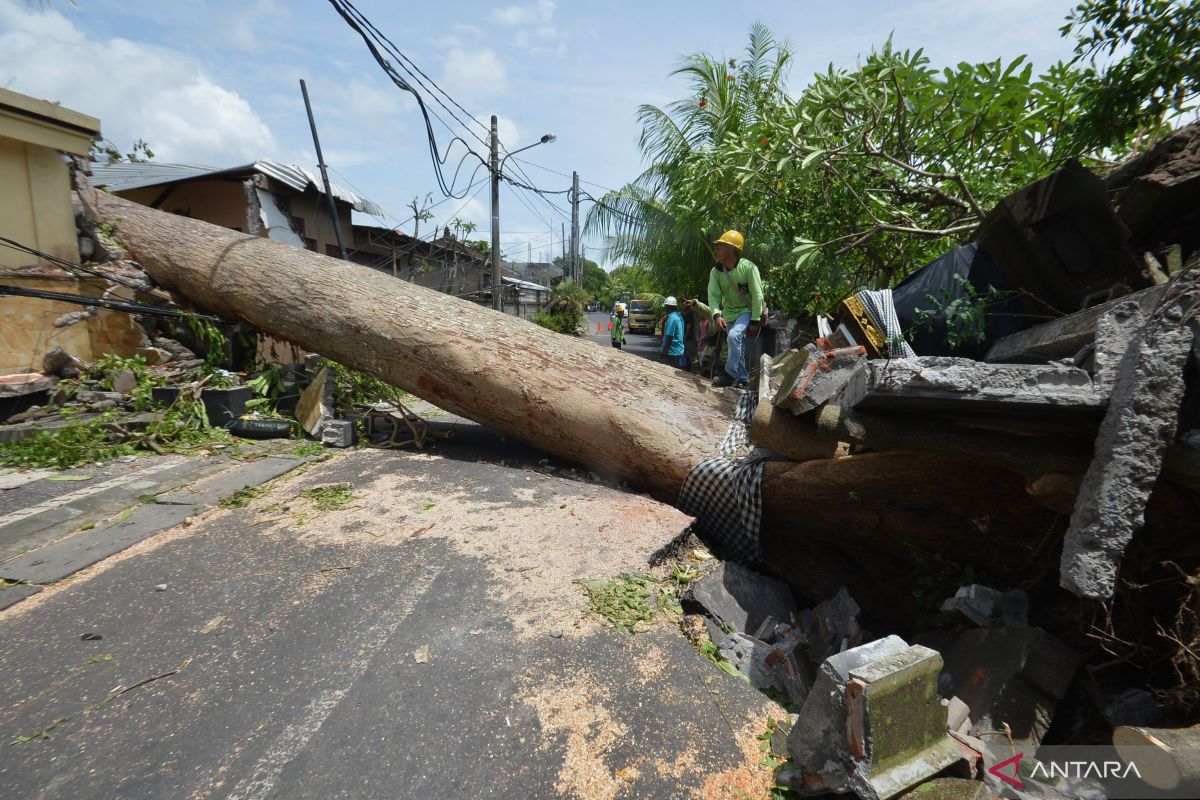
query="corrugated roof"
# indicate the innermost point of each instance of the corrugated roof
(123, 177)
(537, 287)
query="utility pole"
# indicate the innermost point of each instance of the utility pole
(495, 217)
(312, 124)
(576, 266)
(564, 243)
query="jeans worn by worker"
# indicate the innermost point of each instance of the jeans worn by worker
(735, 365)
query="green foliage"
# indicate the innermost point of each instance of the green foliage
(559, 323)
(107, 152)
(964, 317)
(108, 367)
(352, 387)
(330, 497)
(624, 602)
(242, 497)
(1154, 78)
(869, 171)
(566, 304)
(210, 337)
(82, 443)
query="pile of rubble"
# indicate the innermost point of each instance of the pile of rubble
(1055, 453)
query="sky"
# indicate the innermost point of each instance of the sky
(216, 82)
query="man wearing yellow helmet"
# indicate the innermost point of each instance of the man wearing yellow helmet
(735, 294)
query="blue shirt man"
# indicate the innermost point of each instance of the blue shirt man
(672, 349)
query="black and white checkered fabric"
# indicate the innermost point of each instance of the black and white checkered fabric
(737, 439)
(724, 493)
(883, 309)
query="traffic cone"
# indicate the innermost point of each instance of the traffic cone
(610, 326)
(600, 327)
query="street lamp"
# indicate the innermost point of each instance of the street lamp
(496, 166)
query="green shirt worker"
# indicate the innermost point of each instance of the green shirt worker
(735, 294)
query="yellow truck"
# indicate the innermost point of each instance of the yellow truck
(642, 318)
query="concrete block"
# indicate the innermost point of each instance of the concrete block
(988, 608)
(819, 743)
(337, 433)
(1009, 676)
(933, 383)
(741, 597)
(896, 724)
(1137, 429)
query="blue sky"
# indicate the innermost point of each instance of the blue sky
(216, 82)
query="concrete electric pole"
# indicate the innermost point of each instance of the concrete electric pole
(497, 165)
(495, 218)
(576, 265)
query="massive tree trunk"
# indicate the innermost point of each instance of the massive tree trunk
(620, 416)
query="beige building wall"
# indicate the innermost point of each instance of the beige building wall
(35, 185)
(27, 324)
(219, 202)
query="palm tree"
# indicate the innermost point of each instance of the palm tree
(666, 216)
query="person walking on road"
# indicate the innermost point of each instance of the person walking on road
(672, 350)
(735, 294)
(617, 329)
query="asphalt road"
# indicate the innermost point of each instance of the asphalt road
(426, 641)
(636, 344)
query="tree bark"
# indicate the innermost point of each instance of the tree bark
(622, 417)
(1167, 759)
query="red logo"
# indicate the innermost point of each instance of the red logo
(1015, 780)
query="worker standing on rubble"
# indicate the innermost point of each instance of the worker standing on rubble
(735, 294)
(672, 350)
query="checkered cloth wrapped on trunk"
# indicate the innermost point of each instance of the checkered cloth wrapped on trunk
(724, 493)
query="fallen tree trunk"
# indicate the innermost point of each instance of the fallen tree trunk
(626, 418)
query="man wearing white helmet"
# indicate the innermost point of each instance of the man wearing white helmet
(735, 294)
(672, 350)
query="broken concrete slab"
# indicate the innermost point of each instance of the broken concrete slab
(776, 667)
(68, 556)
(940, 383)
(831, 626)
(59, 362)
(826, 376)
(1136, 431)
(1114, 331)
(1010, 677)
(988, 608)
(208, 492)
(819, 742)
(741, 597)
(11, 479)
(896, 724)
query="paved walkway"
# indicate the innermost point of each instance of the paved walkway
(426, 640)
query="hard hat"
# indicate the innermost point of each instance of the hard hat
(731, 238)
(670, 301)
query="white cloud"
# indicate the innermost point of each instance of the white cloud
(528, 14)
(136, 90)
(536, 34)
(241, 30)
(475, 75)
